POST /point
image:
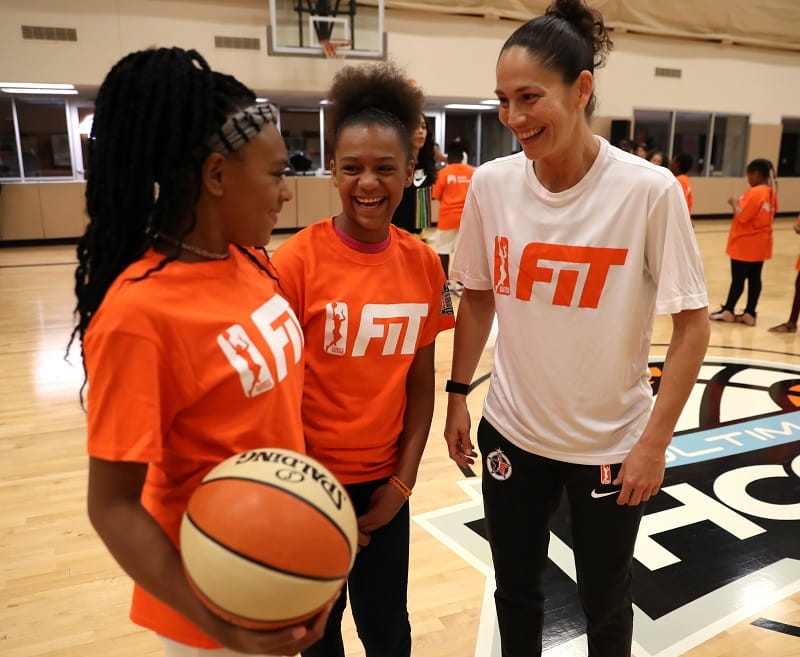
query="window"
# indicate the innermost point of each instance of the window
(300, 130)
(653, 129)
(84, 118)
(482, 133)
(691, 135)
(789, 158)
(9, 158)
(728, 146)
(43, 136)
(496, 139)
(464, 127)
(716, 142)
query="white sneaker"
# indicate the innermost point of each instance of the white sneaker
(456, 288)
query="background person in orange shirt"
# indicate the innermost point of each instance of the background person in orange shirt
(750, 241)
(371, 299)
(451, 189)
(177, 317)
(680, 166)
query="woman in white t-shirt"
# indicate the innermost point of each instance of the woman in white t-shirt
(575, 245)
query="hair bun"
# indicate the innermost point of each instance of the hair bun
(587, 22)
(570, 10)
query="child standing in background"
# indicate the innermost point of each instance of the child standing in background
(452, 184)
(371, 299)
(750, 241)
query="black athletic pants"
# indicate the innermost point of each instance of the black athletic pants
(740, 272)
(521, 491)
(378, 587)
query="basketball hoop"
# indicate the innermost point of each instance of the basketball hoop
(334, 48)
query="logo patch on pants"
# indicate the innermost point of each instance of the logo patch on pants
(498, 465)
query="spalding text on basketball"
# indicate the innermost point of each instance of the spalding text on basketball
(331, 487)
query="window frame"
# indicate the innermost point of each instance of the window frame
(674, 115)
(71, 127)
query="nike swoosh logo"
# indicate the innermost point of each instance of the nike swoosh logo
(597, 495)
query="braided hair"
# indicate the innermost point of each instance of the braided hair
(154, 115)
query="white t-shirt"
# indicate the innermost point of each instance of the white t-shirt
(578, 276)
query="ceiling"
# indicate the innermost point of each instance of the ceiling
(760, 23)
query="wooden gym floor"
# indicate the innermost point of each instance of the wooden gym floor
(721, 579)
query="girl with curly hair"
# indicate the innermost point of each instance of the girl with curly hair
(371, 300)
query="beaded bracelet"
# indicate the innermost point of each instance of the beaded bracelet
(395, 481)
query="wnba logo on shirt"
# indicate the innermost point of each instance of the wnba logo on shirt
(502, 283)
(247, 359)
(335, 328)
(280, 329)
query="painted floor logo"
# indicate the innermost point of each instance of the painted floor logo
(718, 544)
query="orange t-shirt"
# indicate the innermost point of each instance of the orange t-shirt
(451, 186)
(683, 179)
(750, 237)
(364, 316)
(195, 363)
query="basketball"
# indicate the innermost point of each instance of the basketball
(268, 538)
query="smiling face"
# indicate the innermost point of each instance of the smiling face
(371, 169)
(419, 135)
(254, 188)
(545, 114)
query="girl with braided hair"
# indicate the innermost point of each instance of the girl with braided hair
(371, 300)
(573, 246)
(190, 353)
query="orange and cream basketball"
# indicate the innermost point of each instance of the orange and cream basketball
(268, 538)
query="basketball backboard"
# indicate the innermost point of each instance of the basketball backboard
(308, 27)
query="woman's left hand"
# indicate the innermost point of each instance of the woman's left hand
(384, 504)
(641, 474)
